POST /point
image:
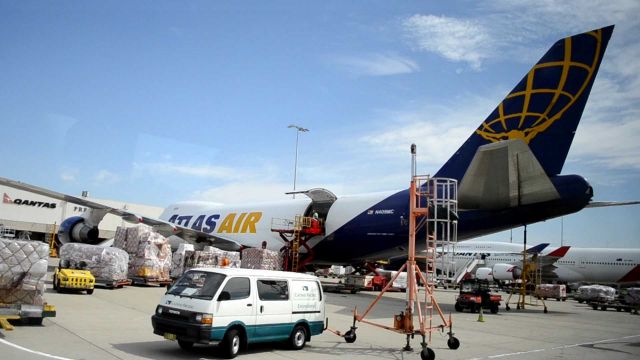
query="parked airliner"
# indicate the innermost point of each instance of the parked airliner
(564, 264)
(508, 175)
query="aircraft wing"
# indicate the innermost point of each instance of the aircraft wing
(611, 203)
(161, 226)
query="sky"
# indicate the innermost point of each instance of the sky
(154, 102)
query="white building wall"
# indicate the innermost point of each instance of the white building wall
(42, 217)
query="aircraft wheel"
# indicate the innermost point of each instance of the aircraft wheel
(453, 343)
(350, 336)
(427, 354)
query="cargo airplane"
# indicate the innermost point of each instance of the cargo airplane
(508, 174)
(565, 264)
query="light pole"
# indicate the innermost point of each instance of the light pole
(295, 165)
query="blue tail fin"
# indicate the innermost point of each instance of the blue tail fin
(545, 107)
(537, 249)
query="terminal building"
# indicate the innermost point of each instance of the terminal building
(27, 215)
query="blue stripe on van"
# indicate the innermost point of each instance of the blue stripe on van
(267, 332)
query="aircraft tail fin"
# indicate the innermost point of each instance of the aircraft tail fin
(537, 249)
(544, 108)
(559, 252)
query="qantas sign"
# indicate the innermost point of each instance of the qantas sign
(40, 204)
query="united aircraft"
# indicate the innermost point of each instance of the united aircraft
(508, 175)
(567, 264)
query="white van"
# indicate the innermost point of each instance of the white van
(236, 307)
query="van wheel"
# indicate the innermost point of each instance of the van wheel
(185, 345)
(298, 337)
(231, 344)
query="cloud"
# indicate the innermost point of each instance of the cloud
(455, 39)
(437, 130)
(515, 30)
(106, 177)
(251, 191)
(68, 175)
(377, 64)
(200, 171)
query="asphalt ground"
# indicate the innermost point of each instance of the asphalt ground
(116, 324)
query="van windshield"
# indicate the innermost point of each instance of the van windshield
(197, 284)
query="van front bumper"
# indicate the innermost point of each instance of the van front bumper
(184, 331)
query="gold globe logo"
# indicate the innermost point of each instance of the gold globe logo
(550, 102)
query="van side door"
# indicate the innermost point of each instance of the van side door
(236, 305)
(273, 320)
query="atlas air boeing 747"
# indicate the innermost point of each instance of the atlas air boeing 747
(508, 175)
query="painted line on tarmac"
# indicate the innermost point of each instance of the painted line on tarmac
(2, 341)
(557, 347)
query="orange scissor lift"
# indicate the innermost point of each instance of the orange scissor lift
(433, 204)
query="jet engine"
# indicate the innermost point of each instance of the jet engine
(506, 272)
(484, 273)
(76, 229)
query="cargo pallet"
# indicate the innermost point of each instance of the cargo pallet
(619, 306)
(150, 282)
(26, 314)
(113, 284)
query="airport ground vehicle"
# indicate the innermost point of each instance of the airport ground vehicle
(70, 277)
(25, 313)
(237, 307)
(475, 294)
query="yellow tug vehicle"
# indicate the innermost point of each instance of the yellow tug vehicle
(72, 278)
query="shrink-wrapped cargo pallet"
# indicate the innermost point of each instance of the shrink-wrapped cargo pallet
(186, 258)
(120, 239)
(596, 293)
(554, 291)
(152, 256)
(264, 259)
(632, 296)
(23, 267)
(149, 253)
(106, 264)
(177, 260)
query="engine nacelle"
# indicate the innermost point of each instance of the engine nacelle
(75, 229)
(484, 273)
(506, 272)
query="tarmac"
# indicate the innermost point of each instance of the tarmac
(116, 324)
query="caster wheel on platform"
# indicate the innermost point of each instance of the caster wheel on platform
(453, 343)
(427, 354)
(350, 336)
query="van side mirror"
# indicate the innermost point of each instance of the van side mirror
(224, 296)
